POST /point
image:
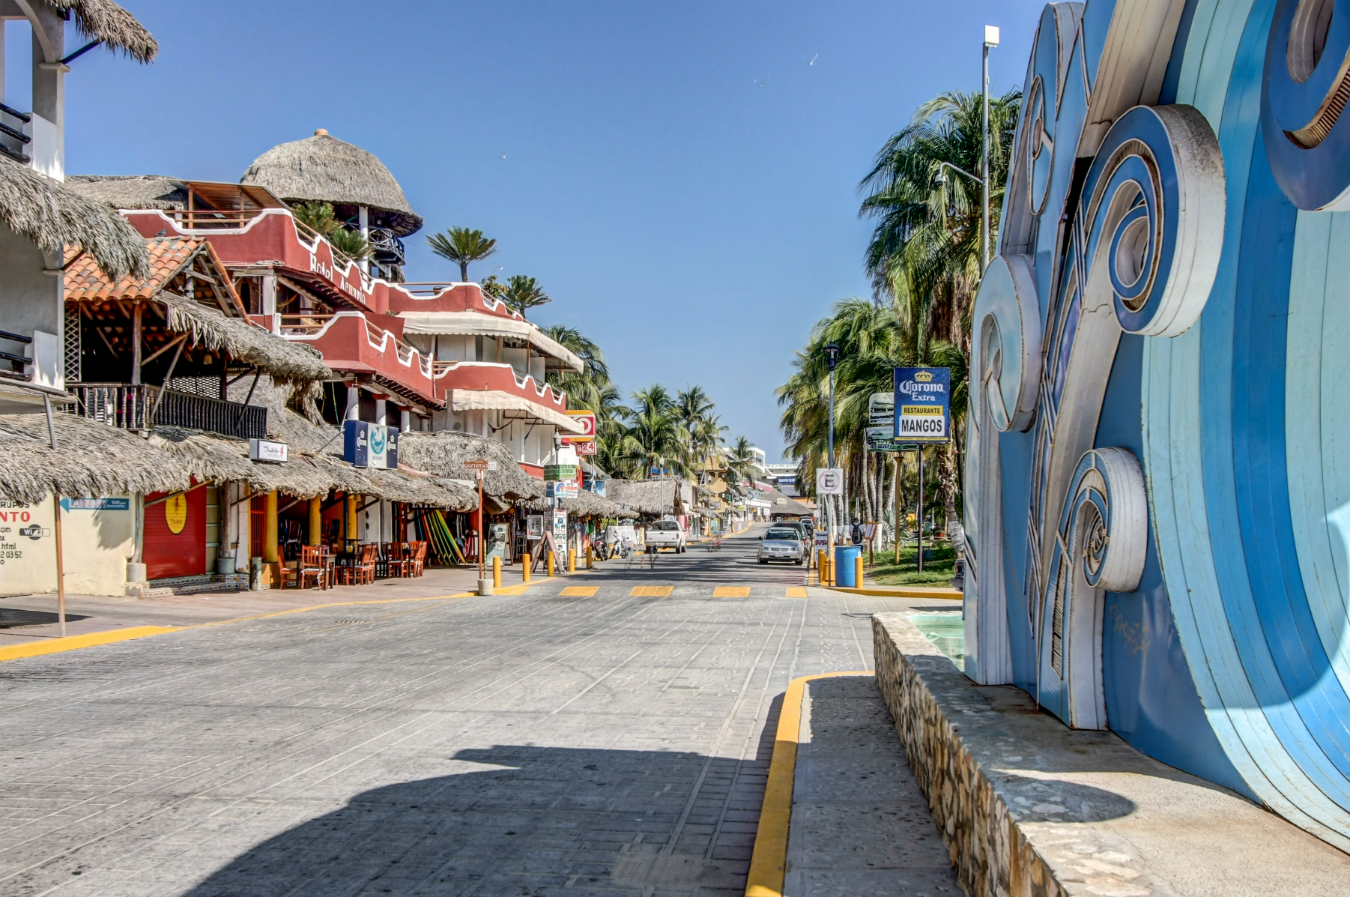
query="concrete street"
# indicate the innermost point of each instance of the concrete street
(604, 734)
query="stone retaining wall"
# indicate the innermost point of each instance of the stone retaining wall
(1031, 808)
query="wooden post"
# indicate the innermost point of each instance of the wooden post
(136, 344)
(349, 520)
(271, 551)
(481, 544)
(60, 569)
(315, 521)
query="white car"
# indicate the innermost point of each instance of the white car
(665, 534)
(781, 543)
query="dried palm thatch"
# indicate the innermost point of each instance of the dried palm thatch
(105, 21)
(91, 459)
(443, 455)
(137, 191)
(645, 496)
(584, 504)
(284, 360)
(53, 217)
(329, 170)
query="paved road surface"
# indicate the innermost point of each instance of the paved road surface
(551, 743)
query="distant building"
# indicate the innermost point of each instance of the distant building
(784, 476)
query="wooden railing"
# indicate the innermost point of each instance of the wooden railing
(303, 325)
(141, 407)
(207, 219)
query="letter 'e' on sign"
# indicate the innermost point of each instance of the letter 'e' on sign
(830, 481)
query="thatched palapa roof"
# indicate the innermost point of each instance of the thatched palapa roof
(136, 191)
(208, 326)
(329, 170)
(645, 496)
(105, 21)
(53, 217)
(91, 460)
(443, 454)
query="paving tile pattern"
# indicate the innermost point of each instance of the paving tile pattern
(527, 745)
(860, 824)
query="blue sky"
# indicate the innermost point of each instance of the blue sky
(680, 177)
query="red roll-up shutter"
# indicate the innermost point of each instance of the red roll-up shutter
(175, 535)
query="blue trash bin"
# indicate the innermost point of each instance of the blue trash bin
(843, 565)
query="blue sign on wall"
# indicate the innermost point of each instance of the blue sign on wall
(370, 445)
(95, 504)
(923, 404)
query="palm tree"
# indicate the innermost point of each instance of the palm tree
(461, 246)
(523, 293)
(741, 460)
(317, 216)
(585, 387)
(928, 216)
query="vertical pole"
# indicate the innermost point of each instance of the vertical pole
(60, 570)
(315, 521)
(899, 508)
(496, 572)
(525, 566)
(136, 344)
(271, 551)
(918, 518)
(481, 544)
(984, 162)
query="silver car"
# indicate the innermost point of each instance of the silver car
(781, 543)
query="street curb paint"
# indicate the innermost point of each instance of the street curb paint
(796, 591)
(768, 862)
(75, 642)
(579, 592)
(650, 592)
(902, 592)
(731, 592)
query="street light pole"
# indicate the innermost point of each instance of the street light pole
(990, 41)
(832, 356)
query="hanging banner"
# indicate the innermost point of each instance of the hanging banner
(923, 405)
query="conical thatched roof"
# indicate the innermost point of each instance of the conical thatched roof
(106, 21)
(132, 191)
(53, 217)
(334, 171)
(645, 496)
(90, 460)
(443, 454)
(584, 504)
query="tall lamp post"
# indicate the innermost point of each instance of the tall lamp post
(831, 358)
(990, 41)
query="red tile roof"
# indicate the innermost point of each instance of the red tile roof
(85, 282)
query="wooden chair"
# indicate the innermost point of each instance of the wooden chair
(419, 558)
(310, 566)
(400, 559)
(365, 569)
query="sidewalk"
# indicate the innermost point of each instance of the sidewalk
(860, 825)
(32, 618)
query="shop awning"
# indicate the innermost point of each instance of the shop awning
(496, 400)
(471, 323)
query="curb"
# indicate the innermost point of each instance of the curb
(88, 640)
(768, 862)
(901, 592)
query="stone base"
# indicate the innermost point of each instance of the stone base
(1030, 808)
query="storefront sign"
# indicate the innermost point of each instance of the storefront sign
(534, 527)
(263, 450)
(370, 445)
(566, 472)
(584, 448)
(561, 489)
(923, 404)
(96, 504)
(559, 528)
(586, 420)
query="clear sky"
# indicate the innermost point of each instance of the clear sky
(680, 177)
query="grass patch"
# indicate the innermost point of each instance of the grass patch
(939, 563)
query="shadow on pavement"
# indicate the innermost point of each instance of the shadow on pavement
(526, 820)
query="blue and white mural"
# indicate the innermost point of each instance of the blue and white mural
(1158, 481)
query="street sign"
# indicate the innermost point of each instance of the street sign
(565, 472)
(370, 445)
(585, 448)
(480, 464)
(830, 481)
(881, 409)
(561, 489)
(882, 439)
(923, 404)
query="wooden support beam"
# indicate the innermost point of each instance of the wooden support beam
(136, 346)
(166, 347)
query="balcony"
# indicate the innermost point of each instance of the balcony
(141, 407)
(388, 248)
(14, 142)
(351, 343)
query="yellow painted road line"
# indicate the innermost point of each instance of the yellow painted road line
(650, 592)
(75, 642)
(768, 863)
(731, 592)
(796, 592)
(578, 591)
(903, 592)
(517, 589)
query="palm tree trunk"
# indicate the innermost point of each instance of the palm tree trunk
(463, 272)
(949, 480)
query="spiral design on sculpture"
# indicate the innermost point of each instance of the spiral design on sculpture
(1306, 88)
(1105, 523)
(1007, 345)
(1154, 221)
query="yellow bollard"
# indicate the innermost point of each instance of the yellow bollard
(858, 572)
(590, 556)
(525, 569)
(496, 572)
(549, 564)
(571, 560)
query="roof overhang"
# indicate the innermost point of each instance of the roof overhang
(461, 400)
(472, 323)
